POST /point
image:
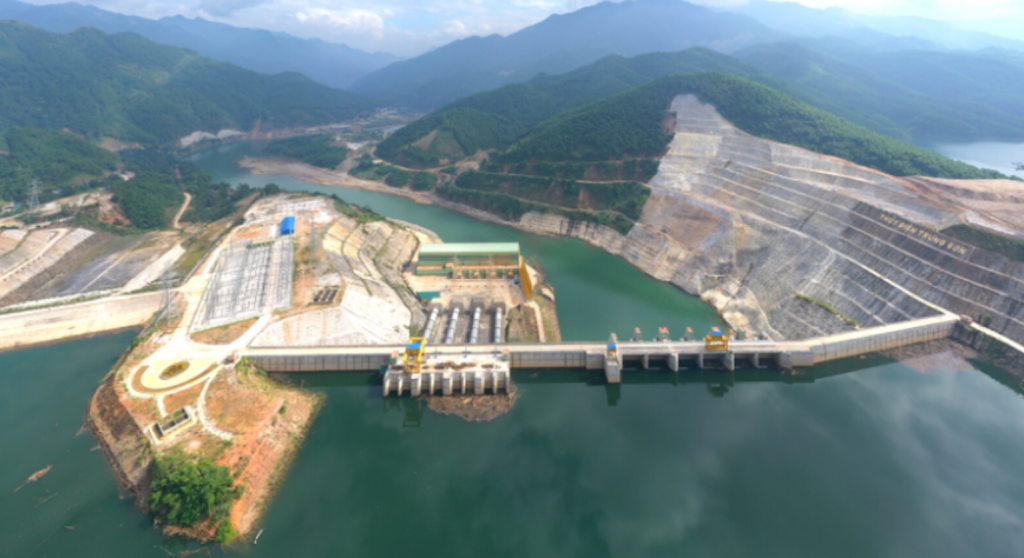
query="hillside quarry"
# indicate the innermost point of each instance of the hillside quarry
(793, 244)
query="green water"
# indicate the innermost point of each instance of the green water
(859, 458)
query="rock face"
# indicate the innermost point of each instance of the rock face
(749, 225)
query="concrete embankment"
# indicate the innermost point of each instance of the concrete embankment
(33, 327)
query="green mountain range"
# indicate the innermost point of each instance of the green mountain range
(536, 115)
(132, 89)
(559, 44)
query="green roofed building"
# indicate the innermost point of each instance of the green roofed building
(483, 260)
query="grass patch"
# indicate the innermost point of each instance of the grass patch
(828, 307)
(174, 370)
(1007, 247)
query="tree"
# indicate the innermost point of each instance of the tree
(187, 492)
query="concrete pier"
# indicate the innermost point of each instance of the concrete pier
(673, 362)
(729, 361)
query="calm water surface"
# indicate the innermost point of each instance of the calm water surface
(999, 156)
(864, 457)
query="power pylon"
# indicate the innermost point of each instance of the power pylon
(33, 203)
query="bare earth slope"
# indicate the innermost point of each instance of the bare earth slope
(749, 224)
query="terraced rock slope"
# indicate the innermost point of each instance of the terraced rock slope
(794, 244)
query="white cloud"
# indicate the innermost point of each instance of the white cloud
(354, 21)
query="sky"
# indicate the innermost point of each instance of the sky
(410, 27)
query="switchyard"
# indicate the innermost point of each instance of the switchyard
(249, 278)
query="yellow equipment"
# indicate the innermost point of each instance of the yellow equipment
(414, 354)
(716, 341)
(612, 349)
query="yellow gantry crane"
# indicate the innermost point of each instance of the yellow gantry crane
(414, 354)
(716, 341)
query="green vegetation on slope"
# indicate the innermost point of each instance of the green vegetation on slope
(1007, 247)
(318, 151)
(627, 198)
(127, 87)
(187, 492)
(56, 158)
(161, 189)
(632, 123)
(495, 119)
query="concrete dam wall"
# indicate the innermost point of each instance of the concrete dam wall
(795, 244)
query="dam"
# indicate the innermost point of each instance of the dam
(483, 368)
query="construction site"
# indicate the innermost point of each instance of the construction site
(300, 273)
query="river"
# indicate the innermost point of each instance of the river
(998, 156)
(863, 457)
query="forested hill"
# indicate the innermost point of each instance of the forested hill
(631, 124)
(560, 43)
(127, 87)
(495, 119)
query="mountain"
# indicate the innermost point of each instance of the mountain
(130, 88)
(495, 119)
(871, 30)
(333, 64)
(632, 124)
(559, 44)
(911, 95)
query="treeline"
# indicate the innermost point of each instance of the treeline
(632, 123)
(510, 208)
(130, 88)
(318, 151)
(627, 198)
(640, 170)
(393, 176)
(58, 159)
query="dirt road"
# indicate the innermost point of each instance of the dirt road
(184, 207)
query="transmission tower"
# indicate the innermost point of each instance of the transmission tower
(167, 279)
(33, 203)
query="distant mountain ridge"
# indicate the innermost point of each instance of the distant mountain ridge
(269, 52)
(869, 30)
(127, 87)
(558, 44)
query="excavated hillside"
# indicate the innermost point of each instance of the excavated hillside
(793, 244)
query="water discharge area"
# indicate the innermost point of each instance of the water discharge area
(853, 458)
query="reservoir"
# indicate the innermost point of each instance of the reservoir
(998, 156)
(864, 457)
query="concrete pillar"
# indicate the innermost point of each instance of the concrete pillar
(478, 383)
(729, 359)
(785, 361)
(446, 383)
(755, 359)
(417, 385)
(612, 371)
(401, 384)
(387, 384)
(462, 375)
(433, 377)
(700, 361)
(646, 361)
(673, 362)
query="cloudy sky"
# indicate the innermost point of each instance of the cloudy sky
(409, 27)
